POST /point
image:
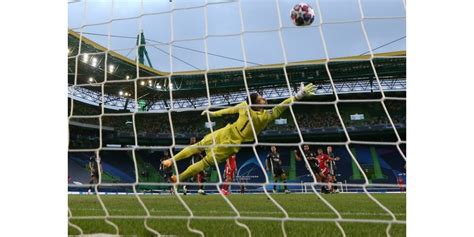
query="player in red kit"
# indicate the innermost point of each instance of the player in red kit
(401, 184)
(229, 170)
(323, 160)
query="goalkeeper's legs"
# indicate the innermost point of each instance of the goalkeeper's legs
(190, 150)
(185, 153)
(220, 153)
(195, 168)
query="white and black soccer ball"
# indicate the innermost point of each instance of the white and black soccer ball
(302, 14)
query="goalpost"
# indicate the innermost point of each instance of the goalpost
(311, 188)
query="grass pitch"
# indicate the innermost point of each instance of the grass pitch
(256, 209)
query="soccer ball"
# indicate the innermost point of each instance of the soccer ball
(302, 14)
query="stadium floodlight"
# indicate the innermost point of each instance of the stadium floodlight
(120, 93)
(94, 62)
(142, 83)
(111, 69)
(85, 58)
(158, 86)
(91, 79)
(127, 77)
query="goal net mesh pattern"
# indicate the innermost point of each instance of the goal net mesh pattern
(146, 205)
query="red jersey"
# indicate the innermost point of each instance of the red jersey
(323, 159)
(401, 183)
(231, 163)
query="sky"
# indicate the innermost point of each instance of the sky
(384, 21)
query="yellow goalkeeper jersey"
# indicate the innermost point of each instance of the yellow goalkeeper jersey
(260, 119)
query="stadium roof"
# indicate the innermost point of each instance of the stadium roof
(89, 46)
(91, 51)
(154, 85)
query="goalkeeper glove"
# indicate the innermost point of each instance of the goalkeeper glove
(304, 91)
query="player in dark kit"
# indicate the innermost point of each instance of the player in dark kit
(95, 166)
(166, 172)
(313, 162)
(332, 167)
(273, 164)
(199, 177)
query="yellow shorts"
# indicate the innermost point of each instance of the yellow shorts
(226, 135)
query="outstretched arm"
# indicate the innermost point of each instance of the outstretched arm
(304, 91)
(280, 108)
(297, 155)
(231, 110)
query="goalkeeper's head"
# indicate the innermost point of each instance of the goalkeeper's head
(257, 99)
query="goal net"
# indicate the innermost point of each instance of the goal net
(145, 76)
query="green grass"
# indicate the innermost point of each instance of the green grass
(350, 206)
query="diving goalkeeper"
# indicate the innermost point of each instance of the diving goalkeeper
(234, 134)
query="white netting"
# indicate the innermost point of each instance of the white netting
(237, 217)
